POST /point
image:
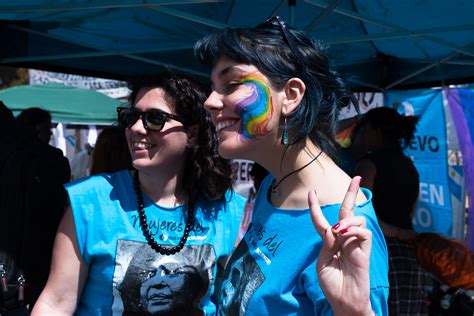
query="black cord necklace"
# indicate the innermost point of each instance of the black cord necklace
(275, 186)
(164, 250)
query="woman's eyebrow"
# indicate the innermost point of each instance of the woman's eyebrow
(226, 72)
(230, 70)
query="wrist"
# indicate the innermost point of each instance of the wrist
(368, 313)
(354, 311)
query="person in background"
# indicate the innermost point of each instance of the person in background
(392, 177)
(34, 129)
(275, 100)
(111, 153)
(32, 197)
(8, 128)
(38, 120)
(175, 199)
(258, 173)
(81, 162)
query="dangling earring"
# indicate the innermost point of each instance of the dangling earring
(284, 137)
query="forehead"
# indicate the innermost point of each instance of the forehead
(153, 98)
(226, 67)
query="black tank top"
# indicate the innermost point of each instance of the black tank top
(396, 186)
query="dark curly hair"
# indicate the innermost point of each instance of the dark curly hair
(206, 174)
(267, 47)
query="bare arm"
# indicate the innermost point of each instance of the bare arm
(387, 229)
(402, 234)
(67, 276)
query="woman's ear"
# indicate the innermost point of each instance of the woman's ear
(192, 132)
(294, 92)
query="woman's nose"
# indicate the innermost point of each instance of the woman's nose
(138, 127)
(213, 102)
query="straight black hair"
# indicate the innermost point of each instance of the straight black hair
(281, 53)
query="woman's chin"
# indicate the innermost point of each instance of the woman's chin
(139, 164)
(225, 152)
(233, 150)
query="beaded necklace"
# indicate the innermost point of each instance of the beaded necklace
(164, 250)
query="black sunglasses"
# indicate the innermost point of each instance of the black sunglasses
(275, 21)
(153, 119)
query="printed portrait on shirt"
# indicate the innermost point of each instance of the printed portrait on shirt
(148, 283)
(242, 278)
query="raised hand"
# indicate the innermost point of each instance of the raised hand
(343, 263)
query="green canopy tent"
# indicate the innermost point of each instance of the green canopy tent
(68, 105)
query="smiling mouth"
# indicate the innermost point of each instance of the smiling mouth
(141, 145)
(224, 124)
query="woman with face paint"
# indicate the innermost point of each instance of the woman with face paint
(312, 247)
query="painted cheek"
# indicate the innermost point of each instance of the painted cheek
(255, 109)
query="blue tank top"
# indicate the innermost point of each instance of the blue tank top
(125, 275)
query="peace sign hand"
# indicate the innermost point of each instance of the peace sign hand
(343, 263)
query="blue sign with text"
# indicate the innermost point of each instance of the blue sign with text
(429, 153)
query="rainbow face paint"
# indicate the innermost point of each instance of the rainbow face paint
(256, 108)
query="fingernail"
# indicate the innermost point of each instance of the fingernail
(315, 191)
(336, 226)
(343, 231)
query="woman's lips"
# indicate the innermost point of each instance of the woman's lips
(138, 146)
(224, 124)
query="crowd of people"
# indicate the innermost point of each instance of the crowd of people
(155, 228)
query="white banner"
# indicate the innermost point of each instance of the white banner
(112, 88)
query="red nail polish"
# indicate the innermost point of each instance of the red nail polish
(343, 231)
(336, 226)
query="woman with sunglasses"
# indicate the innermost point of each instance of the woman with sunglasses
(275, 100)
(175, 204)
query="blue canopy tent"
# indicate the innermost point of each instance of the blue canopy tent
(376, 44)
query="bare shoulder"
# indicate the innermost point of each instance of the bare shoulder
(332, 188)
